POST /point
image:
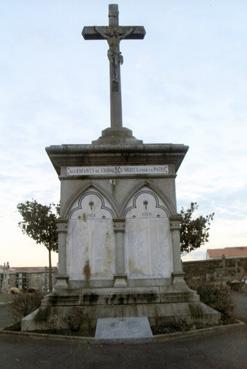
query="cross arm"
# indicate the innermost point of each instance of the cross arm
(125, 32)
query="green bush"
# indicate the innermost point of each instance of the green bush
(219, 298)
(172, 325)
(24, 303)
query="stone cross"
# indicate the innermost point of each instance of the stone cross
(113, 34)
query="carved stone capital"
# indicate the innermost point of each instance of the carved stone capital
(119, 224)
(175, 222)
(62, 225)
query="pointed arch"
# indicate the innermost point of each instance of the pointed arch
(147, 187)
(91, 189)
(151, 194)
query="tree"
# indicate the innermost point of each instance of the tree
(194, 231)
(39, 223)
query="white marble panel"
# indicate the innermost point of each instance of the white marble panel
(90, 239)
(148, 239)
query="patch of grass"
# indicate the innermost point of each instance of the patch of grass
(78, 322)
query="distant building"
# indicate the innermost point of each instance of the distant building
(227, 252)
(25, 277)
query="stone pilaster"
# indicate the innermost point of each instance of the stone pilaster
(62, 278)
(175, 225)
(120, 278)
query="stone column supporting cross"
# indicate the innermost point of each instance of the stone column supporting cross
(113, 34)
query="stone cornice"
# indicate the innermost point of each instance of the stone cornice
(133, 154)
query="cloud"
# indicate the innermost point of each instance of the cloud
(184, 83)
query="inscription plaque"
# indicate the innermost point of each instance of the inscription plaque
(118, 170)
(123, 328)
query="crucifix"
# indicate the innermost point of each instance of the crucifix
(113, 34)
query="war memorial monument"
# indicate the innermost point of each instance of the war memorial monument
(119, 231)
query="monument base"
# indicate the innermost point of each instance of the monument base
(78, 310)
(117, 136)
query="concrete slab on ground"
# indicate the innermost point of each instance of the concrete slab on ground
(123, 328)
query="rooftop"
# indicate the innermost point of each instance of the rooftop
(228, 252)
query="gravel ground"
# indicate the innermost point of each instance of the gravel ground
(224, 349)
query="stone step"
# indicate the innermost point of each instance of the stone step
(123, 296)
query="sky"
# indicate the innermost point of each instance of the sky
(186, 82)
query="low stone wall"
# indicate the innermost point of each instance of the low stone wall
(200, 271)
(215, 270)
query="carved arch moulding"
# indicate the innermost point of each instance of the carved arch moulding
(78, 201)
(93, 203)
(148, 197)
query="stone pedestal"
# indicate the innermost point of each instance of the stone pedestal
(119, 238)
(117, 136)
